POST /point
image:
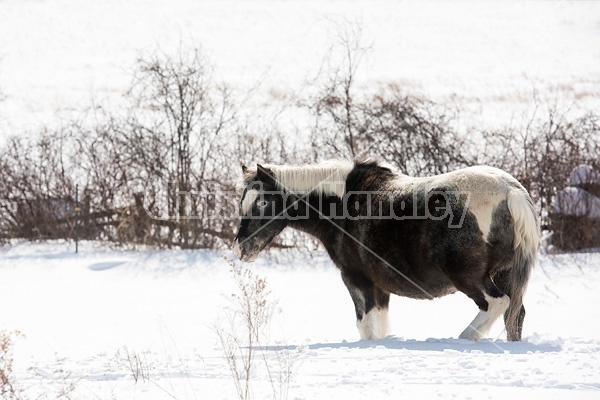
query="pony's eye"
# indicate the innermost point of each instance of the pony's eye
(262, 203)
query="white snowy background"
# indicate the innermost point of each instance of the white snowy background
(60, 56)
(80, 314)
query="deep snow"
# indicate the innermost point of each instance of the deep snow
(80, 314)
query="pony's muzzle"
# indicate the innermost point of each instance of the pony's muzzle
(243, 253)
(237, 250)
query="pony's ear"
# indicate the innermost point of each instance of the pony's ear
(244, 169)
(264, 174)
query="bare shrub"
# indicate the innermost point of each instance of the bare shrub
(248, 316)
(288, 358)
(414, 134)
(175, 128)
(543, 151)
(136, 363)
(8, 388)
(248, 320)
(166, 159)
(62, 386)
(334, 103)
(36, 192)
(411, 133)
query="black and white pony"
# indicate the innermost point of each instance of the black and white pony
(473, 230)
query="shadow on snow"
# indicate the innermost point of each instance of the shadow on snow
(437, 345)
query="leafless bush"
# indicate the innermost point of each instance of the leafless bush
(62, 386)
(544, 150)
(8, 388)
(570, 233)
(575, 214)
(36, 192)
(411, 133)
(288, 358)
(166, 159)
(136, 363)
(179, 116)
(249, 318)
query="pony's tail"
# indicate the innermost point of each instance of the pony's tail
(526, 241)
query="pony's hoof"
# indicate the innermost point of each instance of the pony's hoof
(470, 334)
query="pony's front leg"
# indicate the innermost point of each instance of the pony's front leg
(371, 306)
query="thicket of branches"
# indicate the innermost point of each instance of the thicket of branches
(164, 172)
(542, 152)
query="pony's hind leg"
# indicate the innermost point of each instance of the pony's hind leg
(371, 306)
(513, 327)
(492, 303)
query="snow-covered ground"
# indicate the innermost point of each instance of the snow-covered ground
(60, 57)
(81, 314)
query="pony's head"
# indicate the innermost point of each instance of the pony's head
(262, 208)
(274, 195)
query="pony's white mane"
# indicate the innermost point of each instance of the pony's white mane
(328, 177)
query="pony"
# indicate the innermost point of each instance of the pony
(473, 230)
